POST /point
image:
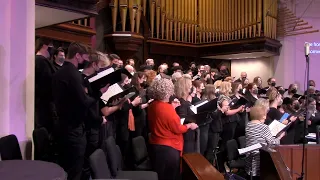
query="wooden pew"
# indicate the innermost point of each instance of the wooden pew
(196, 167)
(272, 165)
(284, 162)
(292, 156)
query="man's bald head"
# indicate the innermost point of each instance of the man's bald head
(150, 62)
(243, 75)
(129, 68)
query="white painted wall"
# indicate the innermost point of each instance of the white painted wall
(254, 67)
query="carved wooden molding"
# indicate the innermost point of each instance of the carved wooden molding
(67, 32)
(210, 49)
(125, 43)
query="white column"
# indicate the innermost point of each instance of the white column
(17, 44)
(5, 21)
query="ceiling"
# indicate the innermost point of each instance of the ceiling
(46, 16)
(252, 55)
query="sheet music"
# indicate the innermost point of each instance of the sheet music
(101, 75)
(112, 90)
(275, 127)
(311, 136)
(194, 108)
(249, 148)
(182, 120)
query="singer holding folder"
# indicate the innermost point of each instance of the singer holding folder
(166, 130)
(72, 104)
(258, 132)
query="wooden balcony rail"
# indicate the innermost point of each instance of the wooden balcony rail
(82, 22)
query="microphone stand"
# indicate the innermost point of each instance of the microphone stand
(305, 120)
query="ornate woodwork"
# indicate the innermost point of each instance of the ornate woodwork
(124, 43)
(67, 32)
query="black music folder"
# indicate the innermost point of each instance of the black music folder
(128, 93)
(200, 119)
(298, 113)
(108, 76)
(262, 91)
(208, 107)
(235, 103)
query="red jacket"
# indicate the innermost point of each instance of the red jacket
(165, 125)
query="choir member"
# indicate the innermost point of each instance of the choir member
(242, 116)
(138, 81)
(199, 86)
(292, 90)
(258, 81)
(209, 94)
(44, 69)
(271, 83)
(243, 76)
(258, 132)
(229, 118)
(251, 93)
(166, 131)
(183, 88)
(72, 104)
(58, 58)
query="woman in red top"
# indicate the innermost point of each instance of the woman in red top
(166, 131)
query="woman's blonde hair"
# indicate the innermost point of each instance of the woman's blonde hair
(217, 84)
(262, 102)
(229, 79)
(99, 57)
(209, 92)
(182, 86)
(272, 94)
(258, 112)
(225, 88)
(161, 89)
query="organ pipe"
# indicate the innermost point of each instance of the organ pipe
(204, 21)
(123, 4)
(114, 11)
(138, 19)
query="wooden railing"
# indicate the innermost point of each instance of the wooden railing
(82, 22)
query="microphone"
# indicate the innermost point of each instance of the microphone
(306, 48)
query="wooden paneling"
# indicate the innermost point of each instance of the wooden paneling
(88, 7)
(223, 48)
(195, 166)
(126, 44)
(292, 156)
(67, 32)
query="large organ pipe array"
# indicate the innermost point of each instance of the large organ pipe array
(200, 21)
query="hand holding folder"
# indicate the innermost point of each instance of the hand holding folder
(127, 94)
(108, 76)
(236, 103)
(200, 119)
